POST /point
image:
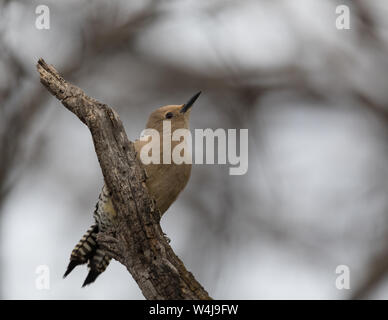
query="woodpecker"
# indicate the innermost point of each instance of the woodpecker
(164, 183)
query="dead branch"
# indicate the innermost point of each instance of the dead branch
(137, 241)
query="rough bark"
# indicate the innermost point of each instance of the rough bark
(137, 241)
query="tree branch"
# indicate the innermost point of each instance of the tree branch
(137, 240)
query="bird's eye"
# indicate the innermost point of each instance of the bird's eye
(169, 115)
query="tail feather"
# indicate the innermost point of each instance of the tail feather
(70, 267)
(84, 250)
(97, 265)
(92, 276)
(88, 250)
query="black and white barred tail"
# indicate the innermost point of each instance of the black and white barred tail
(88, 250)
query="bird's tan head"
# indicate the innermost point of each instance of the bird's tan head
(178, 115)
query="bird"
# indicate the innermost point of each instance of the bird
(164, 183)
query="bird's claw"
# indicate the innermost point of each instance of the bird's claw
(167, 238)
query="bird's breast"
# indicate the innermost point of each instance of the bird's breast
(165, 181)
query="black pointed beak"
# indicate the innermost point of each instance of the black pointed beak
(190, 103)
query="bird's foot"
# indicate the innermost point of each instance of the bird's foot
(167, 238)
